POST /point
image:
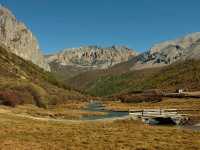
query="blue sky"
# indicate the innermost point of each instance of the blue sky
(138, 24)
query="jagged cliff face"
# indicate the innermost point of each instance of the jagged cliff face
(168, 52)
(19, 40)
(92, 56)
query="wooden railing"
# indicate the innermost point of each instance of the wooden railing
(158, 112)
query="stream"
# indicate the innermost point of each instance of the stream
(98, 107)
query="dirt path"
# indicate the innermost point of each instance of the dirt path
(8, 112)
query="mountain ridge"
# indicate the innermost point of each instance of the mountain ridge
(145, 63)
(92, 56)
(19, 39)
(71, 62)
(168, 52)
(159, 55)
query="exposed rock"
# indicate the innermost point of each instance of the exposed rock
(92, 56)
(168, 52)
(19, 39)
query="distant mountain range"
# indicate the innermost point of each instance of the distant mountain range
(92, 56)
(119, 59)
(168, 52)
(97, 70)
(147, 70)
(70, 62)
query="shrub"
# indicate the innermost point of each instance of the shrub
(138, 98)
(39, 94)
(54, 100)
(36, 94)
(10, 98)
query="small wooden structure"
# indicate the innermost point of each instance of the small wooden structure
(159, 116)
(180, 91)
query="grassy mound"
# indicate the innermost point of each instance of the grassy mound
(23, 82)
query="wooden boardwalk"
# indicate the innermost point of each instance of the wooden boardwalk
(156, 116)
(183, 94)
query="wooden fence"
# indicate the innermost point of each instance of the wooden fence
(158, 112)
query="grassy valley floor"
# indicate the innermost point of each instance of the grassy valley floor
(18, 132)
(176, 103)
(22, 133)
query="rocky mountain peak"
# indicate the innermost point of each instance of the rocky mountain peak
(183, 42)
(93, 56)
(168, 52)
(6, 12)
(19, 39)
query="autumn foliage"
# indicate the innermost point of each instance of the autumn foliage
(9, 98)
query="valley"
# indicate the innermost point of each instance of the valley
(53, 132)
(82, 98)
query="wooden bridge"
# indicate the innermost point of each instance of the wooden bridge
(160, 116)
